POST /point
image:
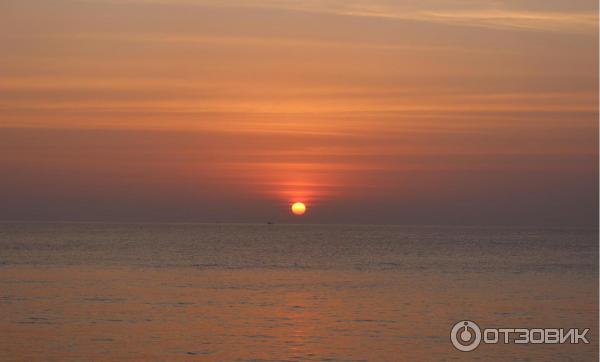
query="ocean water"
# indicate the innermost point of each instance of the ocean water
(241, 292)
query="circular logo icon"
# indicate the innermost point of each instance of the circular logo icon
(465, 336)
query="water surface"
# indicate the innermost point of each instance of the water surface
(224, 292)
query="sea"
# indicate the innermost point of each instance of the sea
(271, 292)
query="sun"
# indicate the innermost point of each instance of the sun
(298, 208)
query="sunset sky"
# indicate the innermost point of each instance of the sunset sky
(464, 112)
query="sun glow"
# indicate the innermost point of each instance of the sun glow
(298, 208)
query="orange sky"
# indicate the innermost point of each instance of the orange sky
(427, 112)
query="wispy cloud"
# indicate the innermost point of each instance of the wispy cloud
(560, 22)
(488, 14)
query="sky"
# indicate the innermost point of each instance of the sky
(432, 112)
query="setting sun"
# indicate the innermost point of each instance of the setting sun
(298, 208)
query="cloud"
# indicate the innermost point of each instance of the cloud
(524, 15)
(559, 22)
